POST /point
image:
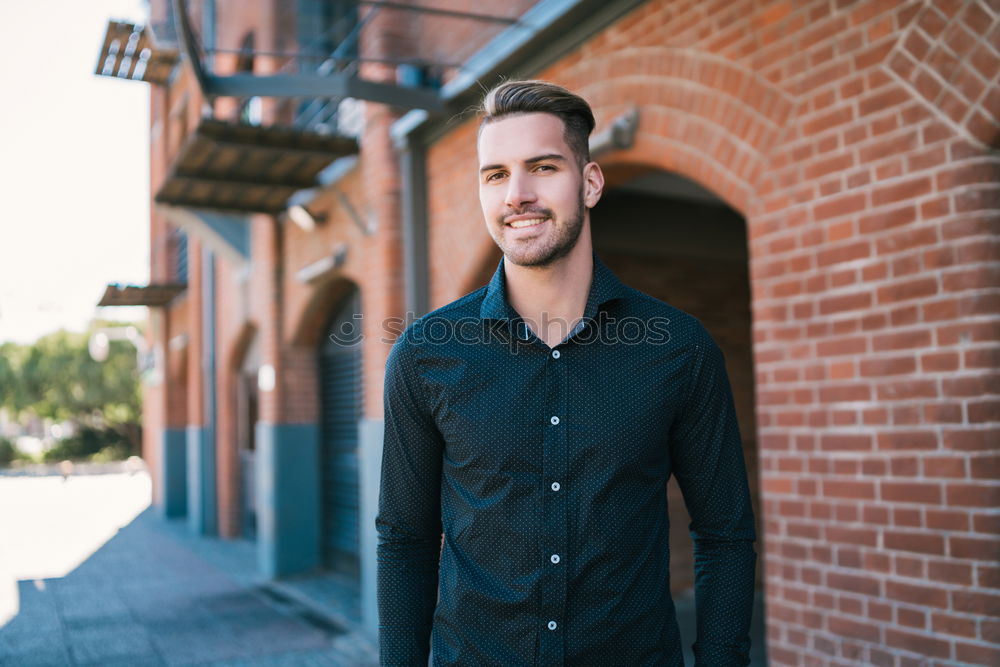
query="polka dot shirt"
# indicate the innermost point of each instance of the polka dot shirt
(523, 508)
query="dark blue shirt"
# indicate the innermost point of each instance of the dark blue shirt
(545, 469)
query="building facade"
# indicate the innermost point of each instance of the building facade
(817, 181)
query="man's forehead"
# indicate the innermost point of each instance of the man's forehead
(522, 136)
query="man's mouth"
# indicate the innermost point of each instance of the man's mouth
(530, 222)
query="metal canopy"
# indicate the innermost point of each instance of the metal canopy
(140, 295)
(248, 168)
(131, 52)
(337, 75)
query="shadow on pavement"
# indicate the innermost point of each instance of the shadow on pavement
(146, 598)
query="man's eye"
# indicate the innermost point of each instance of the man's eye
(495, 176)
(545, 167)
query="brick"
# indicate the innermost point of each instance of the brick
(928, 596)
(845, 442)
(948, 624)
(912, 618)
(905, 390)
(987, 576)
(948, 572)
(947, 519)
(916, 542)
(910, 492)
(849, 489)
(843, 627)
(838, 206)
(846, 535)
(910, 289)
(977, 654)
(865, 585)
(985, 467)
(908, 566)
(939, 362)
(984, 411)
(976, 602)
(972, 439)
(901, 340)
(974, 548)
(904, 466)
(944, 466)
(972, 495)
(886, 219)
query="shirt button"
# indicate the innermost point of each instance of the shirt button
(554, 420)
(553, 625)
(555, 354)
(555, 558)
(555, 486)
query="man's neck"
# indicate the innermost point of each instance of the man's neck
(552, 298)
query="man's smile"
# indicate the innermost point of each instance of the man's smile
(529, 222)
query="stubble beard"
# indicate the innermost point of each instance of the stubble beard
(544, 251)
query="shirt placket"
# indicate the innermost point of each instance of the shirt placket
(555, 488)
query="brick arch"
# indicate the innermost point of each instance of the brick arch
(700, 115)
(309, 322)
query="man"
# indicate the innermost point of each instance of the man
(535, 423)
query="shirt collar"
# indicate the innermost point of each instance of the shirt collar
(605, 287)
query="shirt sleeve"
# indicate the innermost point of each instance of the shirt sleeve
(409, 514)
(707, 459)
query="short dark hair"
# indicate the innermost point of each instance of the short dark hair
(520, 97)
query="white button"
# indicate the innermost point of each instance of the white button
(555, 354)
(555, 486)
(555, 558)
(553, 625)
(554, 420)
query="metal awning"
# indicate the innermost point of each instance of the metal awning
(130, 51)
(248, 168)
(315, 72)
(140, 295)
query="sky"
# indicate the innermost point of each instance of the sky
(74, 168)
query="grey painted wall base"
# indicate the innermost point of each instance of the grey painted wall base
(288, 519)
(370, 469)
(173, 473)
(201, 501)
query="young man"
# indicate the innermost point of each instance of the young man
(535, 423)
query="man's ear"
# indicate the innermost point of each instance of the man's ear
(593, 184)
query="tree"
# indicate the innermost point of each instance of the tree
(56, 378)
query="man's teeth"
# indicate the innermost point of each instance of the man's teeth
(517, 224)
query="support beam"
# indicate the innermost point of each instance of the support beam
(336, 84)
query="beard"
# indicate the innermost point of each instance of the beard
(548, 248)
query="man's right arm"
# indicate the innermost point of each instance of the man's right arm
(409, 516)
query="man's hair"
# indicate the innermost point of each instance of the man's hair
(520, 97)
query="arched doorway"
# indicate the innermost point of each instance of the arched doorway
(665, 235)
(340, 392)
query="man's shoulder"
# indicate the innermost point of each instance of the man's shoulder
(462, 309)
(683, 325)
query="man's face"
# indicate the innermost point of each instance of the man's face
(532, 189)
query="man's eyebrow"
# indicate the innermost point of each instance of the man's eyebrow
(531, 160)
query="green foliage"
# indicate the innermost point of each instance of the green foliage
(8, 453)
(56, 378)
(94, 443)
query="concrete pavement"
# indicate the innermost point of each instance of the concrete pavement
(151, 594)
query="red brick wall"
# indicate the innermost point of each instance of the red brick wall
(855, 139)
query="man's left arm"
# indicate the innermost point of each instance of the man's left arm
(707, 459)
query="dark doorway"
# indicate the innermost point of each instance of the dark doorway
(341, 405)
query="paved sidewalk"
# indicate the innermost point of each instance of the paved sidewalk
(156, 595)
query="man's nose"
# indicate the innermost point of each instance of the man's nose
(519, 191)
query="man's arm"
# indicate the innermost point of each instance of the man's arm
(409, 516)
(707, 458)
